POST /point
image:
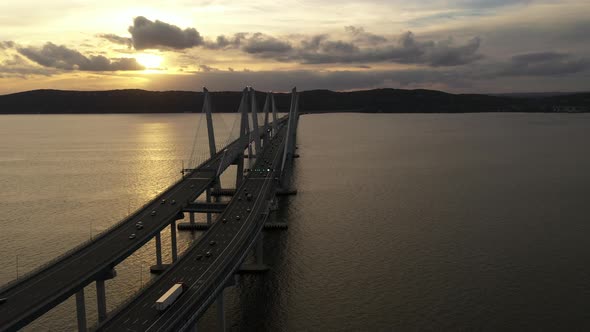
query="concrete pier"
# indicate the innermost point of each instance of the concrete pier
(159, 267)
(173, 240)
(81, 310)
(221, 312)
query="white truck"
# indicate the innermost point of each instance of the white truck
(170, 296)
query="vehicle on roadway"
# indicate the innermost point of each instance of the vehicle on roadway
(170, 296)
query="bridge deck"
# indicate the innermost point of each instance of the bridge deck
(204, 276)
(37, 293)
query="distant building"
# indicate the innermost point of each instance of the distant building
(569, 109)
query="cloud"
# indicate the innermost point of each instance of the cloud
(407, 50)
(116, 39)
(257, 43)
(61, 57)
(4, 45)
(555, 68)
(205, 68)
(17, 66)
(223, 42)
(538, 57)
(147, 34)
(359, 46)
(362, 48)
(361, 36)
(491, 3)
(251, 43)
(261, 43)
(313, 43)
(543, 64)
(446, 54)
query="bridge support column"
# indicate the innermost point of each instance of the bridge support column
(158, 249)
(221, 311)
(101, 300)
(159, 267)
(81, 310)
(208, 199)
(273, 205)
(173, 240)
(260, 250)
(258, 266)
(101, 297)
(240, 170)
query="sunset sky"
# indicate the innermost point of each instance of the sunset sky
(492, 46)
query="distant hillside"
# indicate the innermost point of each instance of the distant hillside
(370, 101)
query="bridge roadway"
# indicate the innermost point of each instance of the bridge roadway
(228, 241)
(37, 293)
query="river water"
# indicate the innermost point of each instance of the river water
(401, 222)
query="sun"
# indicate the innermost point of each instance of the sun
(149, 61)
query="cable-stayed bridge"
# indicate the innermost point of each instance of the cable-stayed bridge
(208, 265)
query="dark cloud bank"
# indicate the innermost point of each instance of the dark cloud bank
(544, 64)
(147, 34)
(363, 48)
(61, 57)
(360, 46)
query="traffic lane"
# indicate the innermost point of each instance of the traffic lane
(25, 297)
(218, 271)
(193, 272)
(258, 183)
(148, 296)
(50, 285)
(220, 235)
(200, 263)
(23, 283)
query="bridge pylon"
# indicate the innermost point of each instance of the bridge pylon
(214, 192)
(254, 114)
(266, 111)
(274, 115)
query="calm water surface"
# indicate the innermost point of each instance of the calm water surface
(402, 222)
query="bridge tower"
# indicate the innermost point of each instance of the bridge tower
(208, 207)
(257, 247)
(274, 114)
